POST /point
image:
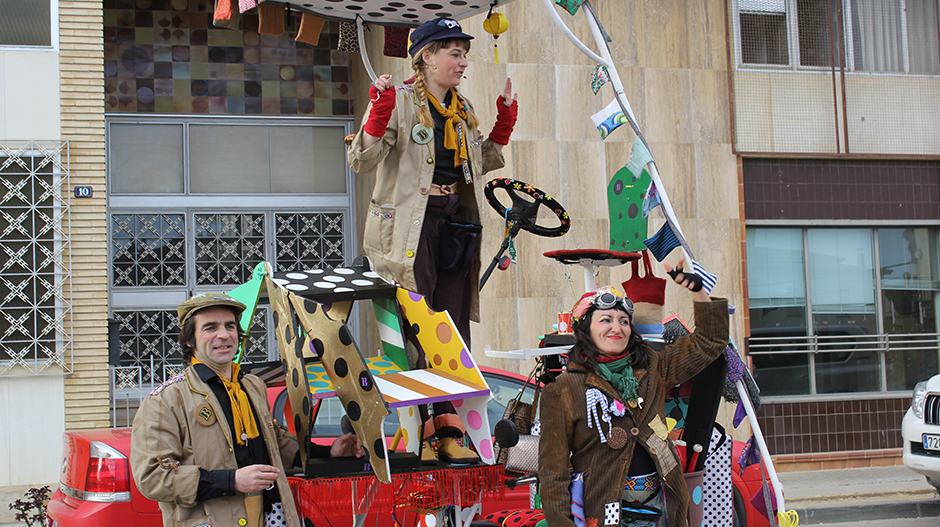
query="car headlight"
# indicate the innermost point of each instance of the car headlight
(918, 399)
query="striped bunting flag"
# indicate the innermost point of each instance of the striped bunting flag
(663, 242)
(708, 280)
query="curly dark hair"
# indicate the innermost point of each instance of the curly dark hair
(584, 352)
(188, 335)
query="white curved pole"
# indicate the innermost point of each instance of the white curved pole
(759, 439)
(363, 51)
(619, 92)
(564, 29)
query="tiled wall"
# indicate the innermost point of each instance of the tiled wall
(832, 189)
(832, 426)
(165, 56)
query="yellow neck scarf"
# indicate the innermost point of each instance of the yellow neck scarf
(454, 113)
(243, 417)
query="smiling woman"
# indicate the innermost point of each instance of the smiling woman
(607, 410)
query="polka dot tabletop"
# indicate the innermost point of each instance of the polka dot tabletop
(338, 284)
(352, 380)
(409, 13)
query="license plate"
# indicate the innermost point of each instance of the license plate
(931, 442)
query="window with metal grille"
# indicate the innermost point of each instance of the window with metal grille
(196, 204)
(35, 276)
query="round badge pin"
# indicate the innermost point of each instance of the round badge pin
(422, 134)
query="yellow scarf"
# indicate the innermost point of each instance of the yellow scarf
(244, 418)
(454, 113)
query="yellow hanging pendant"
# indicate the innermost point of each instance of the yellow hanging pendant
(496, 24)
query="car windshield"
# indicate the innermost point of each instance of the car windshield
(503, 388)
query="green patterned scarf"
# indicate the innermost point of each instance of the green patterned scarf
(619, 374)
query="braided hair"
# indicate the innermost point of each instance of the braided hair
(418, 65)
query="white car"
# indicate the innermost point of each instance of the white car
(920, 431)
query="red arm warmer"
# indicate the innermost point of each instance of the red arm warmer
(382, 106)
(505, 121)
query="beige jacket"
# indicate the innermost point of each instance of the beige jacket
(403, 172)
(169, 445)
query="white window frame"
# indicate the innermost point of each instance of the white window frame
(793, 42)
(53, 34)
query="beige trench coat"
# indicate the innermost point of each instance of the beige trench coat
(169, 445)
(403, 172)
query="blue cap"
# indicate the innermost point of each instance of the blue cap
(436, 29)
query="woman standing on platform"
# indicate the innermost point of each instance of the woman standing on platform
(429, 159)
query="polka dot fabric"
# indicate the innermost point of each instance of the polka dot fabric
(275, 518)
(516, 518)
(717, 499)
(447, 352)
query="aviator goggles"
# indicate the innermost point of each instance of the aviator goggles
(604, 298)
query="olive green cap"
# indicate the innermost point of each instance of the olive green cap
(204, 300)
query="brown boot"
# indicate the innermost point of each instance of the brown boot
(428, 456)
(452, 449)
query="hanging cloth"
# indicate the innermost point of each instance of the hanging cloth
(271, 19)
(454, 113)
(243, 418)
(396, 42)
(310, 28)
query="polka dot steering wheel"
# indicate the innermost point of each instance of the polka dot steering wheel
(525, 211)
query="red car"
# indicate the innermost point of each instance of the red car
(95, 487)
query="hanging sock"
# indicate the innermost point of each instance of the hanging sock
(599, 78)
(310, 28)
(571, 6)
(271, 19)
(396, 42)
(225, 15)
(245, 5)
(348, 37)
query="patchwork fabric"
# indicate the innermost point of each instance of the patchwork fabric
(664, 453)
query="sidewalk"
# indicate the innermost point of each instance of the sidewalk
(858, 494)
(818, 496)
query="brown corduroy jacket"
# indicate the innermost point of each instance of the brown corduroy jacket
(572, 434)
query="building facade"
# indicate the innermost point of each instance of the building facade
(164, 155)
